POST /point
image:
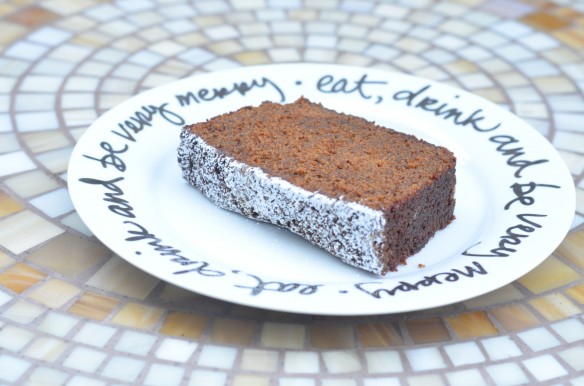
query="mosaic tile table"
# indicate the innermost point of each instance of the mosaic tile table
(71, 312)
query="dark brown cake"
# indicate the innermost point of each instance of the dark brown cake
(369, 195)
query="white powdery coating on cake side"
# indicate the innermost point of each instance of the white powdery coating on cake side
(351, 231)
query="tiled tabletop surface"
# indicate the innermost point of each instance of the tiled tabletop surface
(71, 312)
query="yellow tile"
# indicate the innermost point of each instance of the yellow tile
(45, 140)
(31, 183)
(561, 55)
(427, 330)
(332, 336)
(550, 274)
(184, 324)
(8, 205)
(512, 78)
(54, 293)
(555, 84)
(460, 67)
(572, 248)
(502, 295)
(11, 32)
(94, 306)
(554, 307)
(252, 57)
(120, 277)
(46, 349)
(571, 38)
(515, 317)
(544, 21)
(577, 293)
(232, 331)
(472, 324)
(251, 380)
(259, 360)
(20, 277)
(92, 39)
(56, 161)
(495, 95)
(138, 316)
(69, 255)
(283, 335)
(378, 335)
(25, 230)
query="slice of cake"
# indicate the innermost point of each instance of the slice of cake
(370, 195)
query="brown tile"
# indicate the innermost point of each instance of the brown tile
(69, 255)
(554, 307)
(572, 248)
(549, 275)
(138, 316)
(515, 317)
(33, 17)
(94, 306)
(8, 205)
(472, 324)
(185, 325)
(577, 293)
(20, 277)
(428, 330)
(232, 331)
(378, 335)
(544, 21)
(328, 336)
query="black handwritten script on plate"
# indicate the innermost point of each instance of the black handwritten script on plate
(111, 152)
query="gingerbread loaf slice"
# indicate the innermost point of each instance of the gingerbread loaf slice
(370, 195)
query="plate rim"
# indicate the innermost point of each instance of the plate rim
(77, 202)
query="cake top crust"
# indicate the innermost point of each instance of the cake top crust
(324, 151)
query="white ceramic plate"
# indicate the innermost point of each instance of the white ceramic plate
(515, 197)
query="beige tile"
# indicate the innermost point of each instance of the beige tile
(54, 293)
(69, 255)
(283, 335)
(549, 275)
(138, 316)
(5, 260)
(118, 276)
(24, 230)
